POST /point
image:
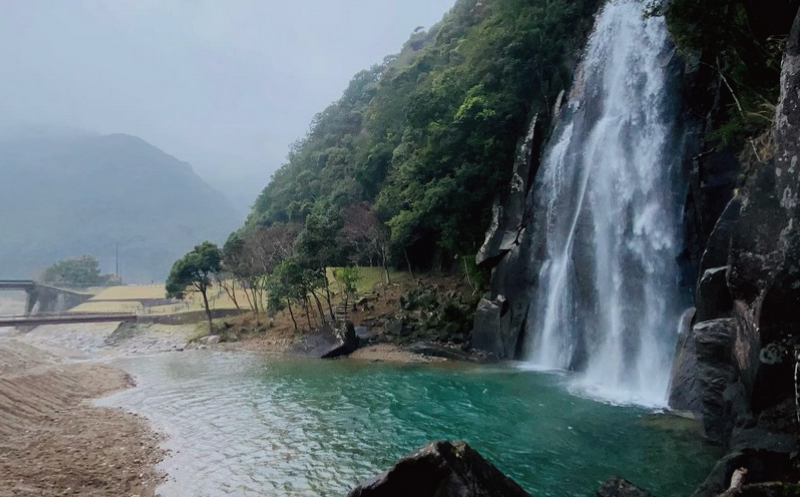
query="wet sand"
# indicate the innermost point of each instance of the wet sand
(54, 442)
(391, 353)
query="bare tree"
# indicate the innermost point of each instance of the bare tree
(368, 236)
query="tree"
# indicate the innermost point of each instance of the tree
(320, 246)
(367, 236)
(195, 271)
(429, 136)
(348, 277)
(78, 272)
(251, 256)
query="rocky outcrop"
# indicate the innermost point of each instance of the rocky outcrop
(761, 290)
(501, 315)
(619, 487)
(748, 308)
(713, 298)
(683, 392)
(713, 345)
(328, 342)
(441, 469)
(435, 350)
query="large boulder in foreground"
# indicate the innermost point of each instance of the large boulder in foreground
(441, 469)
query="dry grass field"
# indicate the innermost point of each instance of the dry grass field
(142, 299)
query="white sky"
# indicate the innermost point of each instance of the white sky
(224, 84)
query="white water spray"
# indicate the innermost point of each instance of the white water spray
(605, 300)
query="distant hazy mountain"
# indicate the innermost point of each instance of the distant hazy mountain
(67, 193)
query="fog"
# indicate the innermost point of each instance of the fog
(224, 84)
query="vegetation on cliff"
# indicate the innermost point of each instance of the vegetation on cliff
(743, 41)
(426, 139)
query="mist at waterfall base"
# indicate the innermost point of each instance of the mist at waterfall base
(606, 301)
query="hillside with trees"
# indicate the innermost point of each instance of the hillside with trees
(64, 194)
(404, 168)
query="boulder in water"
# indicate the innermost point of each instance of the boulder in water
(441, 469)
(619, 487)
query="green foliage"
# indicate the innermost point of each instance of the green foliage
(348, 278)
(742, 40)
(194, 270)
(78, 272)
(429, 136)
(285, 286)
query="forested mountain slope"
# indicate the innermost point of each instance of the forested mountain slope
(428, 136)
(68, 194)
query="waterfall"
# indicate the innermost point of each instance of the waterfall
(606, 217)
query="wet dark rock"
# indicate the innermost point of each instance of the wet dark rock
(762, 466)
(509, 214)
(507, 252)
(328, 342)
(488, 322)
(771, 489)
(713, 298)
(619, 487)
(434, 350)
(683, 392)
(713, 346)
(717, 249)
(397, 328)
(441, 469)
(758, 238)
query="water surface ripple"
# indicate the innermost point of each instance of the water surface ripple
(242, 425)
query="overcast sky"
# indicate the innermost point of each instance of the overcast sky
(224, 84)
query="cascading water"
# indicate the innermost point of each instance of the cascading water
(607, 219)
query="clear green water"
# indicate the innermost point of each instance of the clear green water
(244, 425)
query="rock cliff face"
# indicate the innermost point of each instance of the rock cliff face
(748, 310)
(500, 318)
(735, 357)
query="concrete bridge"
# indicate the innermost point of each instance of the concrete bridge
(45, 299)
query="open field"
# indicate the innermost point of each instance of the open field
(151, 299)
(370, 278)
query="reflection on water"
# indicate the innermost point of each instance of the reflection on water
(244, 425)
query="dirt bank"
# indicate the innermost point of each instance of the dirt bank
(53, 442)
(391, 353)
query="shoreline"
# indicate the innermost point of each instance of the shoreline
(55, 442)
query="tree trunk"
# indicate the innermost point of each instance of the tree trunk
(308, 318)
(328, 297)
(289, 304)
(408, 261)
(230, 290)
(319, 307)
(386, 270)
(204, 292)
